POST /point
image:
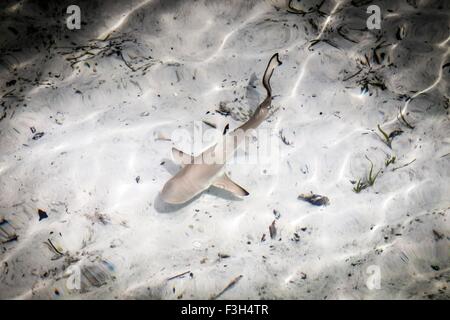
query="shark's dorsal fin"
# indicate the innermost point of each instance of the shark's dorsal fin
(181, 157)
(224, 182)
(217, 124)
(210, 123)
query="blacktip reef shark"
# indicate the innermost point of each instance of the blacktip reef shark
(207, 169)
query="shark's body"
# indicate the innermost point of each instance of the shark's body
(207, 169)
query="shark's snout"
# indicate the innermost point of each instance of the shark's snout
(172, 194)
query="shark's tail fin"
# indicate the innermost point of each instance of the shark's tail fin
(273, 63)
(262, 112)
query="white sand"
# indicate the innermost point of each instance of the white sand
(126, 243)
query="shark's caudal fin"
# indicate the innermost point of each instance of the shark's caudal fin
(273, 63)
(262, 112)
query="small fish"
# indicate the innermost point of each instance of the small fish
(38, 135)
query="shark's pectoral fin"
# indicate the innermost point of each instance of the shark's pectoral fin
(181, 158)
(224, 182)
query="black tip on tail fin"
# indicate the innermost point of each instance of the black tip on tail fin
(273, 63)
(278, 59)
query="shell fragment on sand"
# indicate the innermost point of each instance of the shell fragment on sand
(315, 199)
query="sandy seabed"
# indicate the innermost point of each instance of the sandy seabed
(84, 151)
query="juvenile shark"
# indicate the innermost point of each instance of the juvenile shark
(207, 169)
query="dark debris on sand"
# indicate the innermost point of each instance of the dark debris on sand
(42, 214)
(7, 232)
(273, 230)
(315, 199)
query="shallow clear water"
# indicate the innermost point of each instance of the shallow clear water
(107, 107)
